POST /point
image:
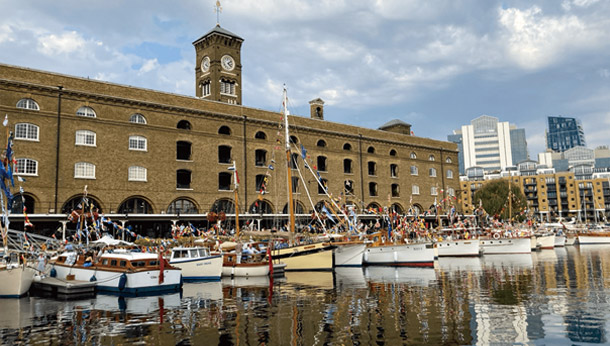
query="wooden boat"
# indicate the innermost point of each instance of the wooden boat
(384, 253)
(15, 277)
(560, 240)
(306, 257)
(504, 245)
(196, 263)
(457, 243)
(120, 271)
(602, 237)
(545, 240)
(250, 265)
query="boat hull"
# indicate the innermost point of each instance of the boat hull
(349, 255)
(506, 246)
(593, 239)
(245, 269)
(460, 247)
(546, 241)
(310, 257)
(16, 282)
(560, 240)
(205, 268)
(411, 255)
(571, 240)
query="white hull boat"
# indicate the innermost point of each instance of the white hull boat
(560, 240)
(595, 238)
(571, 240)
(348, 255)
(248, 266)
(506, 246)
(459, 247)
(545, 241)
(412, 255)
(15, 280)
(196, 263)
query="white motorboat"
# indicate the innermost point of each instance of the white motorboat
(120, 271)
(348, 254)
(15, 277)
(196, 263)
(501, 245)
(411, 255)
(458, 247)
(560, 240)
(545, 241)
(249, 265)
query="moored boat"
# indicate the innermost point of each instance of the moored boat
(409, 255)
(15, 278)
(503, 245)
(196, 263)
(545, 241)
(458, 247)
(348, 254)
(594, 238)
(249, 265)
(560, 240)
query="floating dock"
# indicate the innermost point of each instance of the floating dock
(64, 289)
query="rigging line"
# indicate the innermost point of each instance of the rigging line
(309, 197)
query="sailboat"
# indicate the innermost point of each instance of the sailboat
(313, 256)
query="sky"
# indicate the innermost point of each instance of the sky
(436, 64)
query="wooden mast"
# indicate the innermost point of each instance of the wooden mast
(288, 169)
(236, 185)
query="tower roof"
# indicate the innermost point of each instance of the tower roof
(393, 122)
(220, 31)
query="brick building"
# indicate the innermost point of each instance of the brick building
(150, 157)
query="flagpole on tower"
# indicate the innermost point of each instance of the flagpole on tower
(217, 9)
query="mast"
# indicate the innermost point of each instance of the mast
(236, 185)
(288, 168)
(510, 199)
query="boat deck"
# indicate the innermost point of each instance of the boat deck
(64, 289)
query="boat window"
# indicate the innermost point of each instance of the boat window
(105, 262)
(138, 264)
(180, 254)
(152, 263)
(113, 263)
(123, 264)
(194, 253)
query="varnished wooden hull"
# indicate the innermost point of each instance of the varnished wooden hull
(317, 256)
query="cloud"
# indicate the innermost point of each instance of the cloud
(66, 43)
(6, 33)
(567, 4)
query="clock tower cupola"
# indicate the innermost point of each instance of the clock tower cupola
(218, 66)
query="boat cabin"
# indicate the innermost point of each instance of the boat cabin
(189, 253)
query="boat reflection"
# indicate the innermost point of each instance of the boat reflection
(520, 261)
(211, 290)
(459, 264)
(404, 275)
(349, 278)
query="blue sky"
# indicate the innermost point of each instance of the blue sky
(434, 64)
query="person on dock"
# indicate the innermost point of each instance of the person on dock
(42, 262)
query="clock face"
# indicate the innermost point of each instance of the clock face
(205, 64)
(228, 63)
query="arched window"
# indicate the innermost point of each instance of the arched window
(347, 146)
(372, 189)
(137, 173)
(135, 205)
(392, 152)
(25, 131)
(415, 190)
(183, 179)
(294, 140)
(137, 143)
(374, 206)
(224, 130)
(371, 150)
(260, 135)
(84, 170)
(183, 150)
(432, 172)
(322, 186)
(26, 167)
(449, 174)
(448, 160)
(393, 170)
(321, 143)
(298, 208)
(224, 181)
(261, 207)
(431, 158)
(86, 111)
(413, 155)
(397, 208)
(260, 158)
(28, 104)
(347, 166)
(184, 125)
(17, 207)
(224, 154)
(137, 118)
(372, 168)
(322, 164)
(182, 206)
(395, 190)
(85, 138)
(349, 187)
(78, 203)
(414, 170)
(225, 205)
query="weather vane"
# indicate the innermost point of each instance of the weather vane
(217, 9)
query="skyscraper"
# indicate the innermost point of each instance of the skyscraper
(564, 133)
(489, 144)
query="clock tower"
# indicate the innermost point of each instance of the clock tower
(218, 66)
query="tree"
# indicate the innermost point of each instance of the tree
(494, 198)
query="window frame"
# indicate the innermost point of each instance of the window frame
(138, 118)
(134, 173)
(84, 167)
(86, 111)
(28, 103)
(414, 170)
(84, 135)
(415, 190)
(138, 140)
(27, 131)
(26, 161)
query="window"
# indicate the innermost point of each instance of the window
(431, 158)
(434, 190)
(26, 167)
(260, 135)
(183, 150)
(26, 131)
(347, 166)
(85, 137)
(293, 161)
(393, 170)
(260, 181)
(321, 143)
(84, 170)
(183, 179)
(392, 152)
(449, 174)
(322, 164)
(137, 143)
(295, 184)
(413, 155)
(371, 150)
(414, 170)
(349, 187)
(347, 146)
(224, 154)
(395, 190)
(322, 186)
(372, 189)
(432, 172)
(137, 173)
(86, 112)
(294, 139)
(206, 88)
(28, 104)
(135, 205)
(372, 168)
(224, 130)
(451, 191)
(260, 158)
(184, 125)
(224, 181)
(415, 190)
(448, 160)
(137, 118)
(227, 87)
(183, 206)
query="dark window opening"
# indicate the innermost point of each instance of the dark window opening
(183, 150)
(224, 154)
(183, 179)
(321, 143)
(224, 181)
(347, 166)
(322, 186)
(395, 190)
(260, 135)
(372, 168)
(295, 184)
(260, 180)
(371, 150)
(372, 189)
(392, 152)
(224, 130)
(260, 158)
(322, 164)
(184, 125)
(347, 146)
(293, 161)
(394, 170)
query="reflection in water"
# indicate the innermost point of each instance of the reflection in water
(557, 296)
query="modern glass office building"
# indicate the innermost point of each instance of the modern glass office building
(564, 133)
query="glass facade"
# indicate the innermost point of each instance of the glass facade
(518, 145)
(564, 133)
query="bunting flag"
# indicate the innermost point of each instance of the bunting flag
(328, 214)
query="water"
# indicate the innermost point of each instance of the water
(552, 297)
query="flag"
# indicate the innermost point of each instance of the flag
(5, 122)
(235, 177)
(303, 152)
(328, 214)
